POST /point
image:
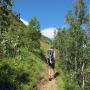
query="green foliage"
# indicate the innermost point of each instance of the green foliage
(70, 83)
(6, 3)
(22, 72)
(79, 13)
(5, 7)
(73, 46)
(34, 34)
(60, 81)
(19, 68)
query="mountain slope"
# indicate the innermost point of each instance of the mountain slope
(24, 69)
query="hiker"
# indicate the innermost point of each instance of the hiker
(51, 61)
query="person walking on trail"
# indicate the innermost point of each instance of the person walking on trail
(51, 62)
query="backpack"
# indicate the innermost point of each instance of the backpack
(50, 55)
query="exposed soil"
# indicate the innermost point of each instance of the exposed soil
(45, 84)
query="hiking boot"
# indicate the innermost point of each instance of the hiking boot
(50, 79)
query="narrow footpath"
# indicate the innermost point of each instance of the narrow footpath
(45, 84)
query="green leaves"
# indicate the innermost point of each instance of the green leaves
(6, 4)
(78, 14)
(34, 34)
(73, 46)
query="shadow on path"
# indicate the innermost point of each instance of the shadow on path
(56, 74)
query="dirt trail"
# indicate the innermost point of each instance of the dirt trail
(45, 84)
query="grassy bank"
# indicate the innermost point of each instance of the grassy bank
(22, 71)
(59, 78)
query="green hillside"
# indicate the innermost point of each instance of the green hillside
(45, 43)
(21, 67)
(23, 51)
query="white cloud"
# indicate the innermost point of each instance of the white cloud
(25, 22)
(48, 32)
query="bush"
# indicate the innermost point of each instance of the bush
(21, 72)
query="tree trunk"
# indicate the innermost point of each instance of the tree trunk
(83, 77)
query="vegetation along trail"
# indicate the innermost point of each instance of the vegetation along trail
(23, 50)
(44, 83)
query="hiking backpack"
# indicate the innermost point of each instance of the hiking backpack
(50, 55)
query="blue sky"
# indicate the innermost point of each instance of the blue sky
(50, 13)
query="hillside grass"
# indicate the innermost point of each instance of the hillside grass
(59, 78)
(23, 71)
(45, 43)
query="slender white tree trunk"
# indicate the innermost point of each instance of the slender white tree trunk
(83, 82)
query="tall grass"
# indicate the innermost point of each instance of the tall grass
(21, 72)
